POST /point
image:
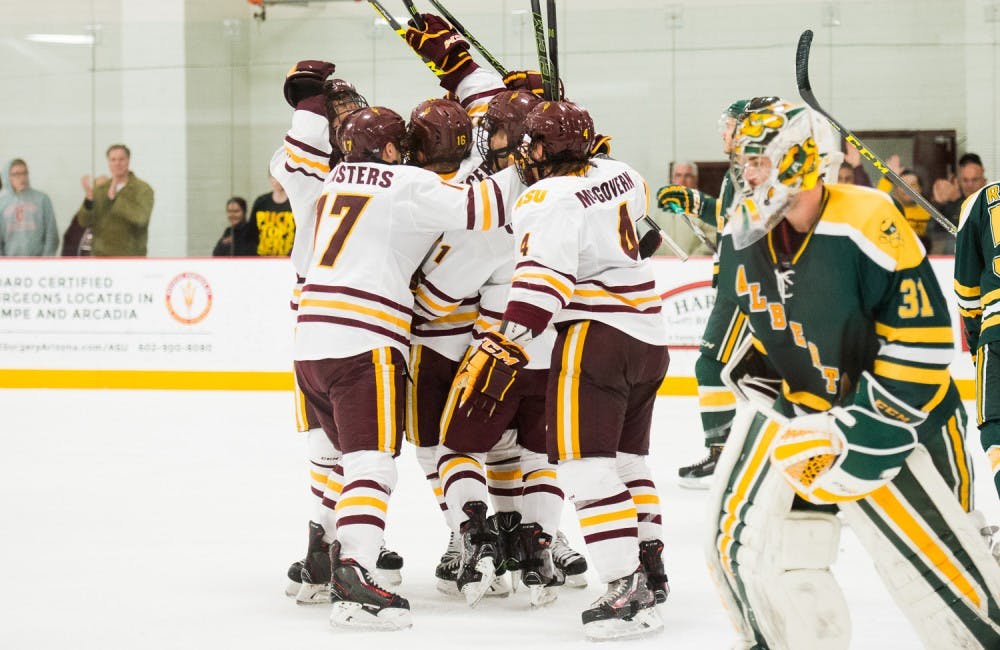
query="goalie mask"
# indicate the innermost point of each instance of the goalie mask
(779, 149)
(558, 138)
(441, 130)
(501, 129)
(364, 134)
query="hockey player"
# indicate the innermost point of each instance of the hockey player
(377, 218)
(579, 267)
(726, 327)
(300, 165)
(864, 418)
(978, 290)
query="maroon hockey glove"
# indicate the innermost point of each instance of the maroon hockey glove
(531, 81)
(305, 80)
(443, 47)
(602, 145)
(489, 372)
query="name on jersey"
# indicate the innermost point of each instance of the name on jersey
(363, 175)
(779, 322)
(606, 191)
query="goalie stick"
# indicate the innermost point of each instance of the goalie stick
(805, 90)
(401, 30)
(492, 60)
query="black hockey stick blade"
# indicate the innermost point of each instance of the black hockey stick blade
(492, 60)
(543, 57)
(805, 91)
(550, 10)
(418, 20)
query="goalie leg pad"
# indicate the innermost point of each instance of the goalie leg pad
(931, 557)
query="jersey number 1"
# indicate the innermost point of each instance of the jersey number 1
(347, 208)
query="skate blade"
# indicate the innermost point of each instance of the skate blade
(292, 588)
(499, 588)
(388, 577)
(540, 596)
(645, 622)
(578, 581)
(309, 594)
(515, 579)
(695, 483)
(474, 591)
(448, 587)
(353, 615)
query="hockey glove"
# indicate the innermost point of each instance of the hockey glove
(446, 52)
(305, 80)
(602, 145)
(677, 199)
(489, 372)
(530, 81)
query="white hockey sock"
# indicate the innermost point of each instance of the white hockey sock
(328, 506)
(639, 480)
(542, 500)
(503, 473)
(322, 457)
(427, 459)
(369, 478)
(463, 479)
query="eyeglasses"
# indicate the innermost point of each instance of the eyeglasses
(19, 173)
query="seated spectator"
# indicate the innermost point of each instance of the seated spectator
(27, 221)
(947, 194)
(237, 239)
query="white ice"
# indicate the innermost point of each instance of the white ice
(154, 520)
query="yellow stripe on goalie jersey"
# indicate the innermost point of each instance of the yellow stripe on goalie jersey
(805, 398)
(914, 374)
(914, 334)
(868, 213)
(964, 487)
(749, 474)
(924, 543)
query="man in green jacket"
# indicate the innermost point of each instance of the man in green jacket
(117, 210)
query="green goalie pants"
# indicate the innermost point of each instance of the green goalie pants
(988, 405)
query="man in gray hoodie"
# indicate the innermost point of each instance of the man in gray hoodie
(27, 221)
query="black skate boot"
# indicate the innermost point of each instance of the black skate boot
(294, 578)
(699, 475)
(359, 601)
(315, 574)
(651, 559)
(388, 568)
(508, 524)
(539, 572)
(448, 567)
(626, 610)
(571, 563)
(480, 552)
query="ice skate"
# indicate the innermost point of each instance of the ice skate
(651, 559)
(360, 602)
(448, 567)
(479, 553)
(294, 578)
(699, 475)
(508, 524)
(314, 587)
(627, 610)
(538, 570)
(388, 568)
(572, 564)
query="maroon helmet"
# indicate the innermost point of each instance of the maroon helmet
(565, 132)
(341, 97)
(441, 129)
(506, 111)
(365, 132)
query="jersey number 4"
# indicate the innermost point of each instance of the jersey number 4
(626, 232)
(346, 209)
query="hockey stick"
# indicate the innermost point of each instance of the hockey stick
(418, 20)
(805, 90)
(401, 30)
(543, 57)
(550, 10)
(492, 60)
(689, 222)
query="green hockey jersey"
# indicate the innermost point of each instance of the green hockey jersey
(977, 266)
(857, 295)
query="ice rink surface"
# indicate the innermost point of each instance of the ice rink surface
(152, 520)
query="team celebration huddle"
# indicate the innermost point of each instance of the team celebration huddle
(476, 279)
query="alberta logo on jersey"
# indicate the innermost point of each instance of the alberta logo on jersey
(687, 309)
(189, 298)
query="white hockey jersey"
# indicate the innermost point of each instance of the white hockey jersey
(579, 254)
(377, 223)
(301, 165)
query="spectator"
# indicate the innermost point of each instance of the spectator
(851, 171)
(27, 221)
(685, 173)
(272, 225)
(237, 240)
(117, 210)
(947, 194)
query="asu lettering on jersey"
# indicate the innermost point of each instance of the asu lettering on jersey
(375, 227)
(578, 254)
(858, 295)
(977, 266)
